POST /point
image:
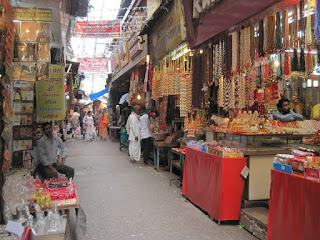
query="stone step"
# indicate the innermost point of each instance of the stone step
(255, 220)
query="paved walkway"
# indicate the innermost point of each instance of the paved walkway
(127, 201)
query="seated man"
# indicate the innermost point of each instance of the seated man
(48, 145)
(284, 114)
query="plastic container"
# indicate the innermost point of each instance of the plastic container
(124, 135)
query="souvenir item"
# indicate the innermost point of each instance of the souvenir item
(43, 32)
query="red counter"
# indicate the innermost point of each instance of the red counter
(214, 183)
(294, 211)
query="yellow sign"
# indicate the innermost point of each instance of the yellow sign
(168, 33)
(32, 14)
(50, 96)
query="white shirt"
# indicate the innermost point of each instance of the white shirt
(47, 151)
(145, 126)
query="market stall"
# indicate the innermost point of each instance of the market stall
(214, 183)
(260, 140)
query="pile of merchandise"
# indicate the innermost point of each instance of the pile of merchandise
(252, 123)
(315, 140)
(301, 162)
(23, 194)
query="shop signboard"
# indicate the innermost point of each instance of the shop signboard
(50, 96)
(168, 33)
(104, 28)
(93, 65)
(135, 46)
(32, 14)
(124, 54)
(115, 63)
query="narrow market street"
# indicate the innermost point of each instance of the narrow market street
(127, 201)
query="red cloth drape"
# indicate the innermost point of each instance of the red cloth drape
(214, 183)
(294, 211)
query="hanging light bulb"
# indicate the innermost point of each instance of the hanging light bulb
(139, 97)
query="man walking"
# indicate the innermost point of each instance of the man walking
(134, 135)
(145, 135)
(48, 164)
(75, 122)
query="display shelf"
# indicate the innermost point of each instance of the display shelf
(23, 101)
(19, 113)
(26, 125)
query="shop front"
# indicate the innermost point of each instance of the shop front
(33, 90)
(242, 66)
(245, 68)
(170, 68)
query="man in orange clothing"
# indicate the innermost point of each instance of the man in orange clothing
(103, 123)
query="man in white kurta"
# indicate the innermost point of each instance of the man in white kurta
(134, 135)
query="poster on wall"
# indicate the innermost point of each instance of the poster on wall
(50, 96)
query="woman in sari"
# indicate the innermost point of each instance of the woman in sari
(90, 129)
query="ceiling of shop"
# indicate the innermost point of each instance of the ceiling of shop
(220, 18)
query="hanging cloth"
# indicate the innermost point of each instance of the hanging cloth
(294, 63)
(278, 32)
(302, 61)
(286, 68)
(261, 38)
(285, 29)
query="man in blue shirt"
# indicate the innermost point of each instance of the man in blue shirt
(284, 114)
(47, 149)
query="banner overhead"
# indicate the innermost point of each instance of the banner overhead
(103, 29)
(93, 65)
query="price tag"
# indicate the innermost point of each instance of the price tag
(245, 172)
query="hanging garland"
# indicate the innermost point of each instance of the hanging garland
(269, 34)
(235, 50)
(278, 32)
(302, 61)
(285, 29)
(301, 22)
(252, 43)
(308, 25)
(294, 63)
(261, 38)
(295, 27)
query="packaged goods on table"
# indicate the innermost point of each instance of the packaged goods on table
(215, 149)
(301, 162)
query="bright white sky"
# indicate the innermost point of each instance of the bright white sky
(94, 47)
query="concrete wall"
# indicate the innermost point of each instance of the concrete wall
(49, 4)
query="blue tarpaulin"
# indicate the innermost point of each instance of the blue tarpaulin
(98, 94)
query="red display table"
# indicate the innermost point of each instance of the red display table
(214, 183)
(294, 211)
